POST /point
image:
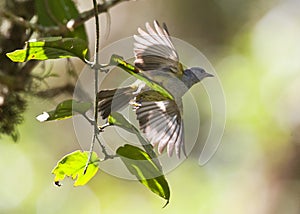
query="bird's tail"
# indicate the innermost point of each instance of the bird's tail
(113, 100)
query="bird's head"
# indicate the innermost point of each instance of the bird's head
(194, 75)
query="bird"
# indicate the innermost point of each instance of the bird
(160, 117)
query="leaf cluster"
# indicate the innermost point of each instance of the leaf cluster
(82, 166)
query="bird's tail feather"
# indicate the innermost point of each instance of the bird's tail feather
(113, 100)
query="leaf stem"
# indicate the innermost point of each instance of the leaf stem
(106, 155)
(96, 70)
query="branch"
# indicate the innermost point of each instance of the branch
(53, 30)
(101, 8)
(96, 61)
(53, 92)
(28, 67)
(62, 29)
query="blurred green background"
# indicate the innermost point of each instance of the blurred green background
(255, 49)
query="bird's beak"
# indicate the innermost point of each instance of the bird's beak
(209, 75)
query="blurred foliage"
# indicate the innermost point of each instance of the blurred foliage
(254, 46)
(12, 110)
(13, 78)
(57, 13)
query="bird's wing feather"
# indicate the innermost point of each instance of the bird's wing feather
(114, 100)
(161, 122)
(154, 50)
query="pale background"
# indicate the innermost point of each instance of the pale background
(254, 47)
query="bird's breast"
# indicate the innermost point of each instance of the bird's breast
(169, 81)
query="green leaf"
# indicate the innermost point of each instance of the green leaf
(119, 120)
(64, 110)
(50, 48)
(54, 12)
(132, 70)
(140, 164)
(73, 165)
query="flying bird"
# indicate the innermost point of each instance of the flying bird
(160, 117)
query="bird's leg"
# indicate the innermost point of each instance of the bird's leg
(135, 105)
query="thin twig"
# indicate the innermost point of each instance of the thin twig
(106, 155)
(96, 71)
(96, 62)
(92, 122)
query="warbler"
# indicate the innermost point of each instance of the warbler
(160, 117)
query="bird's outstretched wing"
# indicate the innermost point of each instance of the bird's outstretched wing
(154, 50)
(114, 100)
(160, 121)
